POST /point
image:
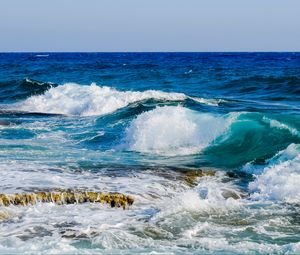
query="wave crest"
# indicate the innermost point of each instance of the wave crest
(174, 130)
(20, 89)
(74, 99)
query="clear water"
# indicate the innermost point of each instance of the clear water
(136, 123)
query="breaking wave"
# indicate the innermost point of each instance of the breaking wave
(175, 130)
(75, 99)
(280, 179)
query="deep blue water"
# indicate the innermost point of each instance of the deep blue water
(133, 122)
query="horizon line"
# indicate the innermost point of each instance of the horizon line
(1, 52)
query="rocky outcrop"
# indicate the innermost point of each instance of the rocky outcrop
(67, 197)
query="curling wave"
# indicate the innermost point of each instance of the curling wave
(175, 130)
(74, 99)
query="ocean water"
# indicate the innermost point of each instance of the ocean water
(142, 124)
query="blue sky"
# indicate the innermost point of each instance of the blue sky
(153, 25)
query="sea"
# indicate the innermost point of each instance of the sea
(207, 144)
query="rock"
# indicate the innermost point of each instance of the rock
(191, 176)
(67, 197)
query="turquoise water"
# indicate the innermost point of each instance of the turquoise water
(138, 123)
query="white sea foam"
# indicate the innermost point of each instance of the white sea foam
(168, 216)
(38, 82)
(207, 198)
(174, 130)
(208, 101)
(75, 99)
(280, 178)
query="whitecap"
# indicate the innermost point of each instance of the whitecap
(174, 130)
(42, 55)
(75, 99)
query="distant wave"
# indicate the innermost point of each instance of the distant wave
(75, 99)
(34, 82)
(269, 79)
(20, 89)
(42, 55)
(266, 85)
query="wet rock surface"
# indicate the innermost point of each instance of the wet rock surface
(67, 197)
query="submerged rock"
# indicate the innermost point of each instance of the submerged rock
(67, 197)
(191, 176)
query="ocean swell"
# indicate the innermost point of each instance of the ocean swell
(20, 89)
